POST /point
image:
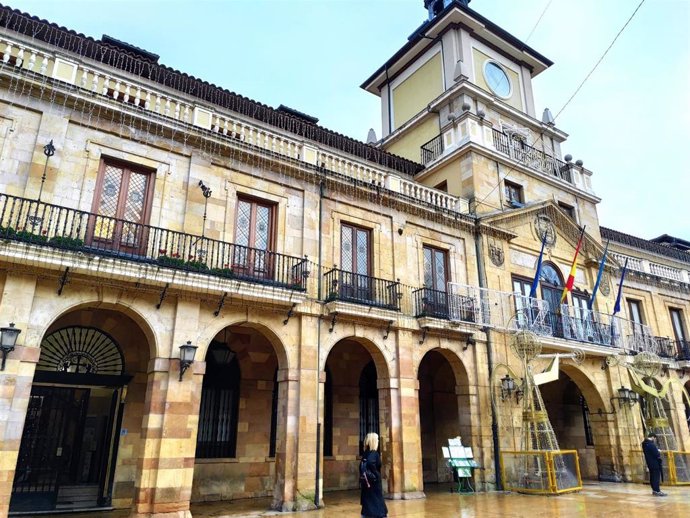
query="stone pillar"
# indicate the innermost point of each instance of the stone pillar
(286, 440)
(16, 379)
(169, 428)
(390, 437)
(408, 465)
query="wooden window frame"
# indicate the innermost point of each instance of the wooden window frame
(370, 247)
(254, 201)
(435, 249)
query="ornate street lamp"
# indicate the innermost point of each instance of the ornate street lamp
(187, 352)
(8, 339)
(206, 191)
(48, 151)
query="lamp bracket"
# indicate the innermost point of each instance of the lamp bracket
(335, 315)
(163, 295)
(63, 280)
(289, 313)
(388, 330)
(424, 331)
(221, 303)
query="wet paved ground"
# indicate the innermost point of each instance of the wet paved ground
(597, 500)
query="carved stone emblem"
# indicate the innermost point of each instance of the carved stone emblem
(605, 284)
(496, 254)
(544, 227)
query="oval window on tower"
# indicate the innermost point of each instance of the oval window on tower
(497, 79)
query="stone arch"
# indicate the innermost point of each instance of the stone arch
(445, 409)
(573, 403)
(347, 359)
(46, 318)
(102, 405)
(218, 325)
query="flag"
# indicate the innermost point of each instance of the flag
(571, 278)
(617, 306)
(537, 274)
(599, 274)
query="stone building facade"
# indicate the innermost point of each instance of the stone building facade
(331, 287)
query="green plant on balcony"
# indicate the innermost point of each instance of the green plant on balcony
(72, 243)
(28, 235)
(171, 261)
(196, 265)
(7, 231)
(225, 271)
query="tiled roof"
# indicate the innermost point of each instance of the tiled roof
(134, 63)
(644, 244)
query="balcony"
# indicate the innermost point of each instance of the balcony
(682, 348)
(57, 227)
(361, 289)
(532, 157)
(432, 149)
(430, 303)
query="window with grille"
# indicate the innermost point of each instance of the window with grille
(220, 396)
(122, 202)
(589, 436)
(368, 404)
(328, 415)
(253, 237)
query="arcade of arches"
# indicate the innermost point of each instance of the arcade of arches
(127, 433)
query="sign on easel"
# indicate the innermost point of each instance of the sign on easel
(461, 460)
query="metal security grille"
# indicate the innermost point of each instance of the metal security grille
(368, 404)
(45, 453)
(83, 350)
(217, 434)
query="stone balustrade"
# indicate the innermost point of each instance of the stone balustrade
(140, 95)
(656, 269)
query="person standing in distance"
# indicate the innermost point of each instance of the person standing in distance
(371, 497)
(652, 456)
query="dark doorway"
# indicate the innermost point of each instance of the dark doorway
(70, 438)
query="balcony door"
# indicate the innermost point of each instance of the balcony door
(355, 261)
(678, 322)
(254, 239)
(435, 279)
(122, 205)
(551, 290)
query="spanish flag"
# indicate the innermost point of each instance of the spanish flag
(571, 278)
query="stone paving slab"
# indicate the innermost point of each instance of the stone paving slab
(597, 500)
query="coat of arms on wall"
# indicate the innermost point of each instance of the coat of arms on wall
(605, 284)
(496, 253)
(544, 228)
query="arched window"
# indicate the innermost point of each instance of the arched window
(220, 396)
(551, 275)
(81, 350)
(368, 403)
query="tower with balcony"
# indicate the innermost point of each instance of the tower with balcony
(457, 97)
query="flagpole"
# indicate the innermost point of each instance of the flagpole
(590, 303)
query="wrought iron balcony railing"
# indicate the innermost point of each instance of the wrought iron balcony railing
(431, 303)
(432, 149)
(362, 289)
(682, 350)
(59, 227)
(532, 157)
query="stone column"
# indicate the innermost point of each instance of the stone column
(169, 428)
(408, 466)
(16, 379)
(288, 418)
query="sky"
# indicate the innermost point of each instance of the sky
(630, 123)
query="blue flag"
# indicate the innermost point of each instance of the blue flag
(590, 303)
(617, 306)
(537, 274)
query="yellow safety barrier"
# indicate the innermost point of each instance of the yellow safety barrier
(675, 466)
(541, 472)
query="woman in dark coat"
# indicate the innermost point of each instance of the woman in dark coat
(371, 499)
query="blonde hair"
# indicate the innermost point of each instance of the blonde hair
(371, 441)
